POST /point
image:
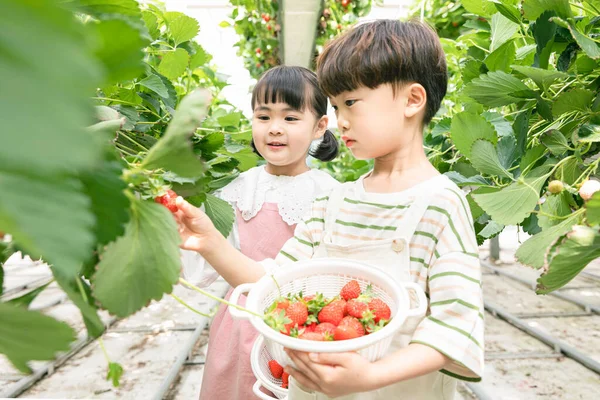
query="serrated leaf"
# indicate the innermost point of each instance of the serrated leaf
(533, 250)
(483, 8)
(183, 28)
(174, 63)
(151, 24)
(503, 30)
(531, 156)
(20, 338)
(543, 33)
(544, 108)
(578, 99)
(476, 211)
(231, 119)
(555, 141)
(200, 57)
(592, 209)
(466, 128)
(507, 151)
(588, 133)
(509, 11)
(173, 151)
(485, 158)
(155, 84)
(530, 225)
(534, 8)
(497, 88)
(512, 204)
(141, 265)
(589, 46)
(246, 158)
(221, 214)
(49, 218)
(556, 205)
(491, 229)
(36, 138)
(569, 256)
(460, 180)
(501, 58)
(520, 128)
(543, 78)
(568, 172)
(114, 373)
(442, 127)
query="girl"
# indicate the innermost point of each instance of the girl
(289, 114)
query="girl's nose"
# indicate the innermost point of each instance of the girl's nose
(275, 129)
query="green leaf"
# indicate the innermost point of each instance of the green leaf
(557, 205)
(81, 295)
(155, 84)
(578, 99)
(151, 24)
(592, 209)
(497, 89)
(485, 159)
(520, 128)
(589, 46)
(220, 183)
(115, 370)
(460, 180)
(442, 127)
(509, 11)
(36, 138)
(587, 133)
(543, 78)
(568, 171)
(466, 128)
(491, 229)
(544, 31)
(224, 24)
(501, 125)
(503, 30)
(49, 218)
(507, 151)
(174, 63)
(231, 119)
(532, 156)
(476, 211)
(199, 58)
(120, 48)
(246, 158)
(141, 265)
(26, 299)
(183, 28)
(221, 213)
(512, 204)
(544, 109)
(174, 151)
(533, 250)
(555, 141)
(100, 8)
(530, 225)
(534, 8)
(109, 203)
(502, 58)
(568, 257)
(20, 338)
(483, 8)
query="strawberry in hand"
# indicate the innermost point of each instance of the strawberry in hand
(168, 200)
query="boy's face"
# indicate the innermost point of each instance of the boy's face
(373, 122)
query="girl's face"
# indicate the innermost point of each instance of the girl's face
(282, 135)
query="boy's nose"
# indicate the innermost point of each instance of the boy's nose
(343, 124)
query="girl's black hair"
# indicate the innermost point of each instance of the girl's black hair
(292, 85)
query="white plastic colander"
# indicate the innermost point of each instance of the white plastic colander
(259, 360)
(328, 276)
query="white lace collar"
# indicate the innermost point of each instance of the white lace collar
(294, 194)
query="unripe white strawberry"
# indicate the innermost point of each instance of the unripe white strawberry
(588, 188)
(555, 187)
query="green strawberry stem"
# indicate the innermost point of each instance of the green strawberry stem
(192, 308)
(212, 296)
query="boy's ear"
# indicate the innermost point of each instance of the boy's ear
(416, 100)
(321, 127)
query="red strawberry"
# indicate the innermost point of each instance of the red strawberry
(311, 327)
(356, 308)
(312, 336)
(297, 312)
(325, 327)
(276, 369)
(351, 290)
(354, 323)
(333, 312)
(283, 304)
(309, 297)
(168, 200)
(345, 332)
(285, 380)
(380, 309)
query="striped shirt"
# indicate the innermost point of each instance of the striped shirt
(443, 260)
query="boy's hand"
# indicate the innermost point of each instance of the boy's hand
(333, 374)
(195, 228)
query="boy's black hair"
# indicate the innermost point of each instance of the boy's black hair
(299, 88)
(386, 51)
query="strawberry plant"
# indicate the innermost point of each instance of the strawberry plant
(520, 128)
(115, 107)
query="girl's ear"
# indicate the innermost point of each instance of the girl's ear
(416, 100)
(321, 127)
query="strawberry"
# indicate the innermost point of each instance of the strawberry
(588, 188)
(354, 323)
(309, 297)
(333, 312)
(285, 380)
(276, 369)
(356, 308)
(345, 332)
(325, 327)
(168, 200)
(312, 336)
(297, 312)
(283, 304)
(311, 327)
(380, 310)
(351, 290)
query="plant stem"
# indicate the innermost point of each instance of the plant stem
(190, 307)
(101, 342)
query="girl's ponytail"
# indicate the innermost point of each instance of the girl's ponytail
(328, 148)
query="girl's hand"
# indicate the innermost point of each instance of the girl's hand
(195, 228)
(333, 374)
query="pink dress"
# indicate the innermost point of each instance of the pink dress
(231, 340)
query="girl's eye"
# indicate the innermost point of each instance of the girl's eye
(349, 103)
(291, 119)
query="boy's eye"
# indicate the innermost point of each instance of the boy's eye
(263, 117)
(349, 103)
(334, 108)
